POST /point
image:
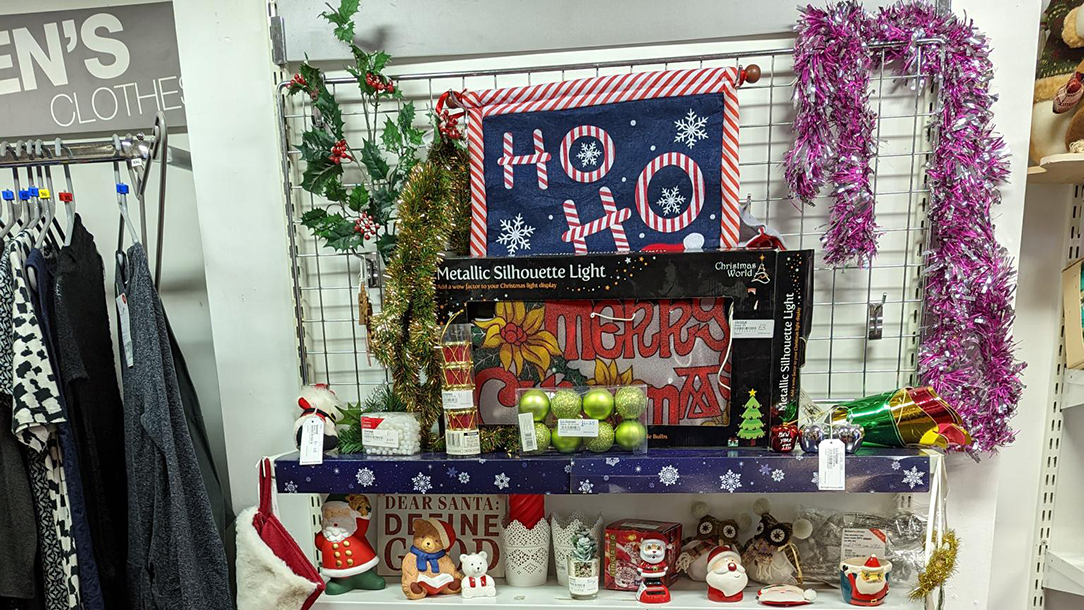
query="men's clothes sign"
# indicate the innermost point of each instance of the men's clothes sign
(628, 162)
(675, 347)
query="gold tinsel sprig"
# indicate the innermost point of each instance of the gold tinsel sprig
(940, 567)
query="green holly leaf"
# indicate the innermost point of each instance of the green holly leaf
(346, 242)
(343, 19)
(359, 196)
(335, 191)
(406, 120)
(382, 204)
(317, 177)
(390, 136)
(385, 244)
(374, 161)
(329, 112)
(315, 145)
(313, 217)
(378, 61)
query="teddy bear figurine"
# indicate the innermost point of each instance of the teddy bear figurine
(1057, 118)
(475, 581)
(770, 557)
(427, 567)
(710, 534)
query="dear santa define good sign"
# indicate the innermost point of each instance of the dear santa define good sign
(476, 520)
(627, 162)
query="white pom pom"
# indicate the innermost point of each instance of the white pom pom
(762, 506)
(700, 510)
(744, 521)
(810, 595)
(801, 529)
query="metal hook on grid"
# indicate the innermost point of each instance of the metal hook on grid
(875, 318)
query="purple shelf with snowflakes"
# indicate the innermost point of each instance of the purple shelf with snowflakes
(759, 471)
(436, 473)
(744, 470)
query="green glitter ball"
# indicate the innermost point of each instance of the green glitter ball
(604, 440)
(542, 436)
(565, 404)
(631, 402)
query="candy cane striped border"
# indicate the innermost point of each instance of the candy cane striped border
(597, 91)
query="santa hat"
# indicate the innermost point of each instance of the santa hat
(872, 565)
(444, 531)
(720, 553)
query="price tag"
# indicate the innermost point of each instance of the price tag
(125, 330)
(312, 441)
(527, 439)
(863, 542)
(582, 585)
(373, 437)
(457, 399)
(463, 442)
(832, 467)
(753, 329)
(585, 428)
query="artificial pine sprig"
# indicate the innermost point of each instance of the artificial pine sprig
(363, 212)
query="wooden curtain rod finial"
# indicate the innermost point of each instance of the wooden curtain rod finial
(750, 73)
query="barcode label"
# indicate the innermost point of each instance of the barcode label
(832, 473)
(528, 441)
(312, 441)
(462, 442)
(584, 428)
(372, 437)
(457, 399)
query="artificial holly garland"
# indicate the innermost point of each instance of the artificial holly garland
(967, 349)
(364, 212)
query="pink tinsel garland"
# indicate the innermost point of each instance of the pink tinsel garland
(967, 348)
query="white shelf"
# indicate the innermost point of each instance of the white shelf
(1072, 392)
(1064, 571)
(686, 595)
(1067, 168)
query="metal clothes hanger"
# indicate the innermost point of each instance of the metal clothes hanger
(122, 203)
(161, 150)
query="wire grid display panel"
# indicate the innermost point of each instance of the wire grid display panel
(841, 361)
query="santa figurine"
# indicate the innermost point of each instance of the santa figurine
(345, 555)
(652, 570)
(864, 584)
(318, 401)
(726, 576)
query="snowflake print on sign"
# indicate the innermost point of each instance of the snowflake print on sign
(896, 464)
(765, 469)
(515, 235)
(612, 461)
(668, 475)
(589, 153)
(452, 473)
(501, 481)
(365, 477)
(421, 483)
(690, 129)
(290, 487)
(777, 475)
(586, 487)
(671, 201)
(912, 477)
(464, 477)
(816, 479)
(729, 481)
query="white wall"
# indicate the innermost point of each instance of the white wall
(183, 286)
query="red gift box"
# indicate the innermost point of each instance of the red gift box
(621, 550)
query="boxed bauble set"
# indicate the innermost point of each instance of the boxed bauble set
(701, 332)
(595, 419)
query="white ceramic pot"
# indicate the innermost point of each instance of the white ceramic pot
(563, 529)
(526, 554)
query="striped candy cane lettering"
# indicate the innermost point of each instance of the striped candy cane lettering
(537, 159)
(611, 219)
(607, 153)
(696, 203)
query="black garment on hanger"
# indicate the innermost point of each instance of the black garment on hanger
(176, 558)
(216, 493)
(18, 527)
(88, 378)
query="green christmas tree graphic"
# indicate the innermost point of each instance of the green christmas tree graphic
(752, 426)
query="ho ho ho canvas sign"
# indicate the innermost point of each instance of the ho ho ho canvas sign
(102, 70)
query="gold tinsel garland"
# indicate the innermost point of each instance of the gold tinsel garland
(434, 213)
(940, 567)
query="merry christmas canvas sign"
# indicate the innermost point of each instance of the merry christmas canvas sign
(627, 162)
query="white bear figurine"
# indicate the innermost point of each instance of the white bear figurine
(475, 581)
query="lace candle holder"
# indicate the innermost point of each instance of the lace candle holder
(563, 529)
(526, 553)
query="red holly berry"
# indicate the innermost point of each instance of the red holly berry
(299, 81)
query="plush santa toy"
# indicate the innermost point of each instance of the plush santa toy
(652, 570)
(726, 576)
(320, 402)
(865, 585)
(345, 555)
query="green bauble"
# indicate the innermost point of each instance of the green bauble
(564, 444)
(535, 402)
(631, 402)
(604, 440)
(598, 403)
(630, 434)
(542, 436)
(566, 404)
